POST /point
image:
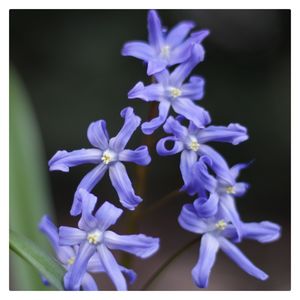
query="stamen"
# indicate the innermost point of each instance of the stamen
(107, 157)
(71, 260)
(230, 190)
(194, 145)
(175, 92)
(94, 237)
(221, 225)
(165, 51)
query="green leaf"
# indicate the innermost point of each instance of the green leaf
(28, 181)
(34, 255)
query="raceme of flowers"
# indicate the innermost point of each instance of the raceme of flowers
(170, 56)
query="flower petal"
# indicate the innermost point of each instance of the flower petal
(139, 156)
(129, 273)
(123, 186)
(155, 30)
(140, 50)
(152, 92)
(138, 244)
(181, 72)
(187, 161)
(173, 126)
(207, 256)
(241, 260)
(76, 272)
(63, 160)
(263, 232)
(186, 107)
(87, 183)
(107, 215)
(156, 65)
(50, 230)
(194, 89)
(179, 33)
(98, 135)
(151, 126)
(207, 207)
(241, 188)
(88, 283)
(235, 170)
(131, 123)
(233, 133)
(189, 220)
(70, 236)
(164, 151)
(112, 268)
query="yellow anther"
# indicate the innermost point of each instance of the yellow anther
(106, 157)
(194, 145)
(71, 260)
(175, 92)
(165, 51)
(94, 237)
(221, 225)
(230, 190)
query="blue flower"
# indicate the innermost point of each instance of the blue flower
(93, 237)
(218, 233)
(191, 142)
(108, 154)
(170, 91)
(164, 49)
(66, 256)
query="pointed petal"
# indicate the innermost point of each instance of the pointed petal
(179, 33)
(138, 244)
(241, 189)
(207, 256)
(186, 107)
(123, 186)
(156, 65)
(63, 160)
(107, 215)
(152, 92)
(263, 232)
(131, 123)
(187, 161)
(194, 89)
(112, 268)
(155, 30)
(241, 260)
(151, 126)
(207, 207)
(140, 50)
(47, 227)
(70, 236)
(178, 76)
(139, 156)
(174, 127)
(75, 274)
(233, 133)
(88, 283)
(235, 170)
(98, 135)
(87, 183)
(165, 151)
(189, 220)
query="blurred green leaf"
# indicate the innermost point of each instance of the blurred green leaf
(46, 265)
(29, 193)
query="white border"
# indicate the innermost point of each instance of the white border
(98, 4)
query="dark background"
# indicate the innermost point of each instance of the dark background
(71, 64)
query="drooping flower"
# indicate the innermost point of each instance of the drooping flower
(164, 49)
(170, 91)
(191, 142)
(108, 154)
(218, 233)
(93, 236)
(66, 256)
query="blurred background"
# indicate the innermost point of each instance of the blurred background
(67, 71)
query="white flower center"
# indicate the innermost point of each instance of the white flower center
(230, 190)
(94, 237)
(107, 156)
(194, 145)
(165, 51)
(221, 225)
(175, 92)
(71, 260)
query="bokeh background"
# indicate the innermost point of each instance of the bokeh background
(66, 71)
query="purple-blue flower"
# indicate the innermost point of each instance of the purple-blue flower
(93, 237)
(218, 233)
(164, 49)
(66, 256)
(191, 142)
(108, 154)
(170, 91)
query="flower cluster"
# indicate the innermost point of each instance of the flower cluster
(170, 56)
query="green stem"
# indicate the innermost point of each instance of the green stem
(158, 272)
